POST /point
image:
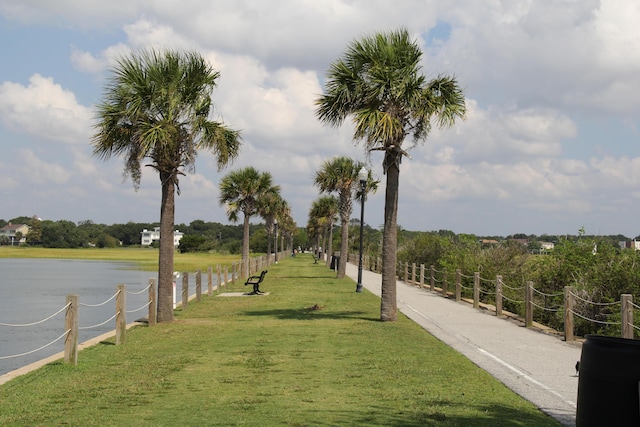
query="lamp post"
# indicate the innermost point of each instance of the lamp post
(363, 175)
(275, 242)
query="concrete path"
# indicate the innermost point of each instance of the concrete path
(538, 366)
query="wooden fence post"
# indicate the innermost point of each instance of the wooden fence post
(413, 273)
(476, 290)
(445, 284)
(626, 301)
(406, 272)
(498, 295)
(71, 325)
(210, 281)
(421, 276)
(219, 273)
(198, 285)
(458, 285)
(152, 303)
(528, 304)
(234, 273)
(121, 314)
(568, 314)
(185, 290)
(226, 275)
(432, 285)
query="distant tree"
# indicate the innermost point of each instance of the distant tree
(240, 192)
(340, 175)
(35, 231)
(322, 217)
(191, 243)
(156, 106)
(270, 206)
(378, 83)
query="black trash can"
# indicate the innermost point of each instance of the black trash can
(608, 383)
(335, 260)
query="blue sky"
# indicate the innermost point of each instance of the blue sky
(550, 144)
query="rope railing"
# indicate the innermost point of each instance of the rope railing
(553, 310)
(601, 304)
(495, 294)
(139, 292)
(102, 303)
(37, 349)
(140, 308)
(601, 322)
(547, 295)
(520, 288)
(513, 300)
(225, 275)
(38, 322)
(99, 324)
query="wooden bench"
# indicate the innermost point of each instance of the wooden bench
(255, 281)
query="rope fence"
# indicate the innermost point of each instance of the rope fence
(527, 301)
(223, 274)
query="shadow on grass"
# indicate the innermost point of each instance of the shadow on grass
(435, 414)
(307, 314)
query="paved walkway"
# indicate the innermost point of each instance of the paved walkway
(537, 366)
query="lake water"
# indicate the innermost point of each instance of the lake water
(34, 289)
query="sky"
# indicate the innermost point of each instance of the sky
(550, 143)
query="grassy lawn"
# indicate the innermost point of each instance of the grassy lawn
(144, 258)
(312, 353)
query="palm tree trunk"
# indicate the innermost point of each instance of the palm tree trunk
(165, 257)
(245, 248)
(330, 245)
(388, 303)
(344, 248)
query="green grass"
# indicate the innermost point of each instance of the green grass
(144, 258)
(312, 353)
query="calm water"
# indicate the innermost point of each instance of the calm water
(33, 289)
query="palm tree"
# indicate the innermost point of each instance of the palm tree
(324, 211)
(379, 85)
(156, 106)
(289, 229)
(241, 191)
(270, 207)
(340, 174)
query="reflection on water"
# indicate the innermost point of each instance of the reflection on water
(33, 289)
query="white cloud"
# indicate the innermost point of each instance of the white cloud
(44, 109)
(40, 172)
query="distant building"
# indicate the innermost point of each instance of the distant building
(10, 230)
(547, 246)
(148, 237)
(630, 244)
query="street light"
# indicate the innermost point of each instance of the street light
(363, 175)
(275, 242)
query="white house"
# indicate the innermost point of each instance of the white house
(148, 237)
(547, 246)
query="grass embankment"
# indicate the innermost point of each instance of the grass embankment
(312, 353)
(145, 259)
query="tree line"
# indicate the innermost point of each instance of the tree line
(199, 236)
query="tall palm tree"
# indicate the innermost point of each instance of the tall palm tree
(289, 230)
(340, 174)
(241, 191)
(324, 212)
(156, 107)
(270, 207)
(378, 83)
